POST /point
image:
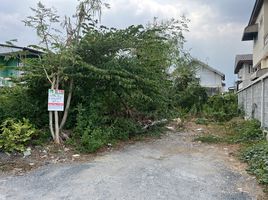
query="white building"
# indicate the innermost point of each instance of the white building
(244, 70)
(210, 78)
(253, 94)
(257, 31)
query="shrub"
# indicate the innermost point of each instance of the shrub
(221, 107)
(191, 98)
(14, 135)
(257, 158)
(92, 140)
(246, 131)
(18, 102)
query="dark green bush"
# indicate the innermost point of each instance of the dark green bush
(15, 134)
(221, 108)
(92, 140)
(191, 99)
(95, 130)
(18, 102)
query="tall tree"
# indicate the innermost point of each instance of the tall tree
(59, 41)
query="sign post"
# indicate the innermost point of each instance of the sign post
(55, 100)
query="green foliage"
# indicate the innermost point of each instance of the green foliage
(19, 102)
(120, 76)
(14, 135)
(246, 131)
(257, 157)
(187, 93)
(92, 140)
(237, 131)
(40, 138)
(123, 81)
(94, 131)
(221, 107)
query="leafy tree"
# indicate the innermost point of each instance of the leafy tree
(59, 51)
(188, 94)
(116, 79)
(129, 83)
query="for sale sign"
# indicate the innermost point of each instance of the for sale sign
(55, 100)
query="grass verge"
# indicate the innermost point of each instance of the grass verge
(251, 140)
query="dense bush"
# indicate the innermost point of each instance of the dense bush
(221, 107)
(15, 134)
(94, 129)
(188, 95)
(19, 102)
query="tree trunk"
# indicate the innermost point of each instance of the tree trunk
(51, 124)
(51, 112)
(56, 116)
(57, 130)
(66, 111)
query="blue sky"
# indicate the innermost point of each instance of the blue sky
(216, 26)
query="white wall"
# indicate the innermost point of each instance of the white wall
(208, 78)
(258, 41)
(260, 48)
(244, 75)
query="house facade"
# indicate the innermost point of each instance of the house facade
(10, 59)
(244, 70)
(253, 75)
(257, 31)
(210, 78)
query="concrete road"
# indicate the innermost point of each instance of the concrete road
(171, 168)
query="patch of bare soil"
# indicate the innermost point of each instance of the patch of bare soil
(18, 164)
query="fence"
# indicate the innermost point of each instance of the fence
(254, 100)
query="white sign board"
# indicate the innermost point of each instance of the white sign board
(55, 100)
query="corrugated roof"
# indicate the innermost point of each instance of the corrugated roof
(240, 60)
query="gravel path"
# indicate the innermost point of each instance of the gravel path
(171, 168)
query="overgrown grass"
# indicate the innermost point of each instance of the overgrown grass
(256, 156)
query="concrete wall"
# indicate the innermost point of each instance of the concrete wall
(254, 100)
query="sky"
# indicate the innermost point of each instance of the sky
(215, 27)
